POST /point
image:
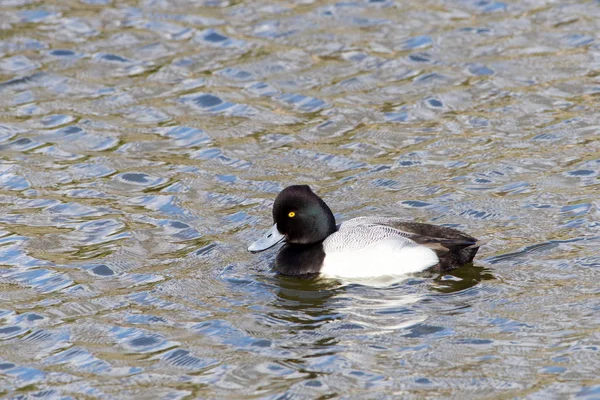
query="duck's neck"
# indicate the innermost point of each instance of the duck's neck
(300, 259)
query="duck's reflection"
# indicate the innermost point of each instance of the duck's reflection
(328, 307)
(315, 296)
(462, 278)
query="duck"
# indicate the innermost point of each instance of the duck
(362, 247)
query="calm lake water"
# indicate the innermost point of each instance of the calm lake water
(142, 145)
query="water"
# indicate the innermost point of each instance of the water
(142, 145)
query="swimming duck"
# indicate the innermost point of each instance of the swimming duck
(360, 247)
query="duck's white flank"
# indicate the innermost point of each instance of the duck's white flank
(362, 250)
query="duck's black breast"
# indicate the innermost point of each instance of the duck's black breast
(300, 259)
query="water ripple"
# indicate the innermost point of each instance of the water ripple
(143, 146)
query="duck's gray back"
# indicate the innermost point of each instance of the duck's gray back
(362, 232)
(375, 220)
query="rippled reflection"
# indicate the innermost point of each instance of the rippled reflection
(142, 145)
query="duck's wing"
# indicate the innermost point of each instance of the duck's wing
(453, 247)
(416, 231)
(354, 237)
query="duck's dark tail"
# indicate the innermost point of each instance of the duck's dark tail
(453, 247)
(453, 253)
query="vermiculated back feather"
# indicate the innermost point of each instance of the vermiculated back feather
(353, 237)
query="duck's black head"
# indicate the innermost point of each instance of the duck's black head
(300, 217)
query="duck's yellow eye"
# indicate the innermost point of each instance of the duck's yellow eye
(292, 214)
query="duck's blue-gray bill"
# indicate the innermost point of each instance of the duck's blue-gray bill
(270, 239)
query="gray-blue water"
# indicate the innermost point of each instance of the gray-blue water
(143, 142)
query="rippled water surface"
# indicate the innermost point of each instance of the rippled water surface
(142, 145)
